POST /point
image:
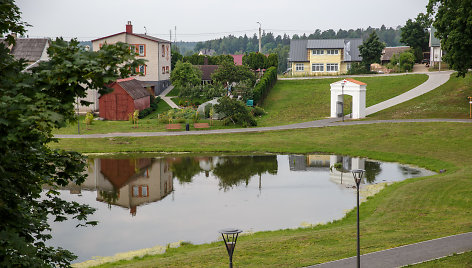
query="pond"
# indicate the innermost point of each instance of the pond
(144, 202)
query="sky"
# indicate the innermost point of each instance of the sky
(209, 19)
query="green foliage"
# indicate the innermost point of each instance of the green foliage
(229, 73)
(185, 169)
(185, 75)
(371, 50)
(257, 111)
(88, 118)
(244, 89)
(196, 59)
(207, 110)
(415, 34)
(358, 68)
(454, 29)
(235, 111)
(265, 84)
(176, 56)
(32, 105)
(402, 62)
(255, 60)
(272, 60)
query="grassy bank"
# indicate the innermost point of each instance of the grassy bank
(410, 211)
(294, 101)
(463, 260)
(447, 101)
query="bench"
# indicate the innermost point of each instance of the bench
(173, 126)
(201, 125)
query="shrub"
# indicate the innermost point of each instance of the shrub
(145, 112)
(235, 111)
(258, 111)
(207, 110)
(265, 84)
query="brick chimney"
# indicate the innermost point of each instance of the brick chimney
(129, 27)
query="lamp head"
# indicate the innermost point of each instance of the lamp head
(358, 174)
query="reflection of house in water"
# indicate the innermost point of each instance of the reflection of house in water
(127, 182)
(308, 162)
(343, 174)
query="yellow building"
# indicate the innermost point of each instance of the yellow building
(323, 56)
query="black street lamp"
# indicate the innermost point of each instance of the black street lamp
(358, 174)
(230, 236)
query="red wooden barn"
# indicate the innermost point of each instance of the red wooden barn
(127, 96)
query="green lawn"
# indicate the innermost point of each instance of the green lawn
(447, 101)
(410, 211)
(463, 260)
(295, 101)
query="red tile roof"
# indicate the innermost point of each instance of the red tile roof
(238, 59)
(356, 82)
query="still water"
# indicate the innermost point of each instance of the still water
(144, 202)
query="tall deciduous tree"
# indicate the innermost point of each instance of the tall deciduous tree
(371, 50)
(185, 74)
(32, 104)
(229, 73)
(453, 21)
(415, 34)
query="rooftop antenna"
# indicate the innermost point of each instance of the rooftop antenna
(145, 30)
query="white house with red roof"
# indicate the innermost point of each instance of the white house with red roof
(157, 52)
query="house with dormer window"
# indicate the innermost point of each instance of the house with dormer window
(323, 56)
(156, 52)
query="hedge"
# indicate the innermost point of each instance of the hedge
(265, 84)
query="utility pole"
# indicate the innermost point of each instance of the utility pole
(170, 36)
(175, 35)
(260, 49)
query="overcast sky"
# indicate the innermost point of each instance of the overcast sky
(199, 20)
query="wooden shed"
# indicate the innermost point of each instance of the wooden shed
(127, 96)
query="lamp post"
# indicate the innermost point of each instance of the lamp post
(260, 26)
(358, 174)
(342, 93)
(230, 236)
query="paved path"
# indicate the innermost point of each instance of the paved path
(330, 122)
(348, 76)
(167, 99)
(408, 254)
(435, 80)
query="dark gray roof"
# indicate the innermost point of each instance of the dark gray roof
(325, 43)
(29, 49)
(298, 50)
(152, 38)
(388, 52)
(134, 88)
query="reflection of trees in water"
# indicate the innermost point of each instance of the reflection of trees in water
(235, 169)
(408, 171)
(110, 197)
(372, 169)
(185, 169)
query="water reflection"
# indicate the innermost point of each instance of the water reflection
(127, 183)
(210, 192)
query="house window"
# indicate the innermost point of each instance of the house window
(167, 69)
(299, 67)
(332, 51)
(163, 51)
(141, 69)
(317, 67)
(163, 70)
(141, 50)
(317, 51)
(331, 67)
(140, 191)
(348, 66)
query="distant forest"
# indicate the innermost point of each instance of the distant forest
(281, 44)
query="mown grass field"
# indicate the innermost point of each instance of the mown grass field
(295, 101)
(410, 211)
(447, 101)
